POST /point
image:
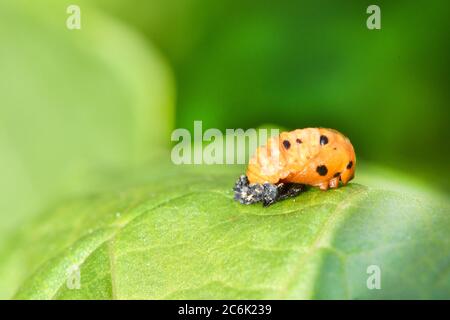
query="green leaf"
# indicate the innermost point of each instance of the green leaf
(73, 103)
(176, 232)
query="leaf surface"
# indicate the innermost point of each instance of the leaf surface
(73, 102)
(178, 234)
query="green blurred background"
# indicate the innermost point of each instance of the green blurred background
(312, 63)
(75, 104)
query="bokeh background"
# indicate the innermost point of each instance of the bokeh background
(311, 63)
(78, 104)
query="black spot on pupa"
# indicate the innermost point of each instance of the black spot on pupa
(323, 140)
(298, 141)
(350, 165)
(286, 144)
(322, 170)
(337, 174)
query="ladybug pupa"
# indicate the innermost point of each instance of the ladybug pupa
(317, 157)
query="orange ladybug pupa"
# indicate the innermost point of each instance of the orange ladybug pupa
(313, 156)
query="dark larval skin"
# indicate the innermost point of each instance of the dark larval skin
(267, 193)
